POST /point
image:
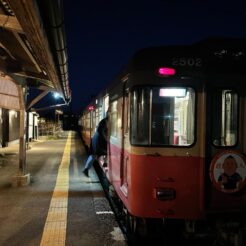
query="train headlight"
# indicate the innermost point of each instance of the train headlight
(165, 194)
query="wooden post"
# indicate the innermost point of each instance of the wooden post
(22, 149)
(22, 178)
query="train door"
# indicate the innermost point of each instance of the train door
(125, 140)
(225, 141)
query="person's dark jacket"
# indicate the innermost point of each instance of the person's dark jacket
(98, 144)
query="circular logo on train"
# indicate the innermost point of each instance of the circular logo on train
(228, 171)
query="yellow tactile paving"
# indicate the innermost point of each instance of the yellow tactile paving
(58, 203)
(54, 233)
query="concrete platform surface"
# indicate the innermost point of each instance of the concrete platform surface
(60, 206)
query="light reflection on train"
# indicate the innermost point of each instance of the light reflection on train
(177, 137)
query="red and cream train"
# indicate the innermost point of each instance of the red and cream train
(177, 133)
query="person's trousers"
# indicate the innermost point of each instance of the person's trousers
(89, 161)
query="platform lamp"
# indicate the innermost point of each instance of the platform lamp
(57, 96)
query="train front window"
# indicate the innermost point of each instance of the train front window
(162, 116)
(225, 118)
(173, 114)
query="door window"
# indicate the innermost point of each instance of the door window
(225, 118)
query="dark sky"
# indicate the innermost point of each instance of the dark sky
(102, 35)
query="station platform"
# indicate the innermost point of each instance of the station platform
(60, 206)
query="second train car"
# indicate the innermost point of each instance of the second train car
(177, 136)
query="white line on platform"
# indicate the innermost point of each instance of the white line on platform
(104, 212)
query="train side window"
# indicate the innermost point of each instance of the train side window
(88, 121)
(114, 119)
(126, 121)
(105, 107)
(225, 118)
(93, 120)
(140, 99)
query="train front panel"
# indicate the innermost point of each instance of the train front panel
(156, 158)
(167, 157)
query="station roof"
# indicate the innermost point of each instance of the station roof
(33, 45)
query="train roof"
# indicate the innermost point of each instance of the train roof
(221, 54)
(221, 48)
(218, 55)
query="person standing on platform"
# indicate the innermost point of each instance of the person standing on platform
(98, 145)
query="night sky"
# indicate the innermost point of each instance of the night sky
(103, 35)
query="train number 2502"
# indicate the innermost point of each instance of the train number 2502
(183, 61)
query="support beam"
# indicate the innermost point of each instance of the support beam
(42, 78)
(46, 88)
(29, 19)
(38, 98)
(24, 46)
(10, 23)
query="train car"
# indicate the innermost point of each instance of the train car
(90, 118)
(177, 136)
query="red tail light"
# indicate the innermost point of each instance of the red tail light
(166, 71)
(91, 107)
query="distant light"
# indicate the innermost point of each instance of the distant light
(91, 107)
(166, 71)
(13, 113)
(172, 92)
(57, 111)
(56, 95)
